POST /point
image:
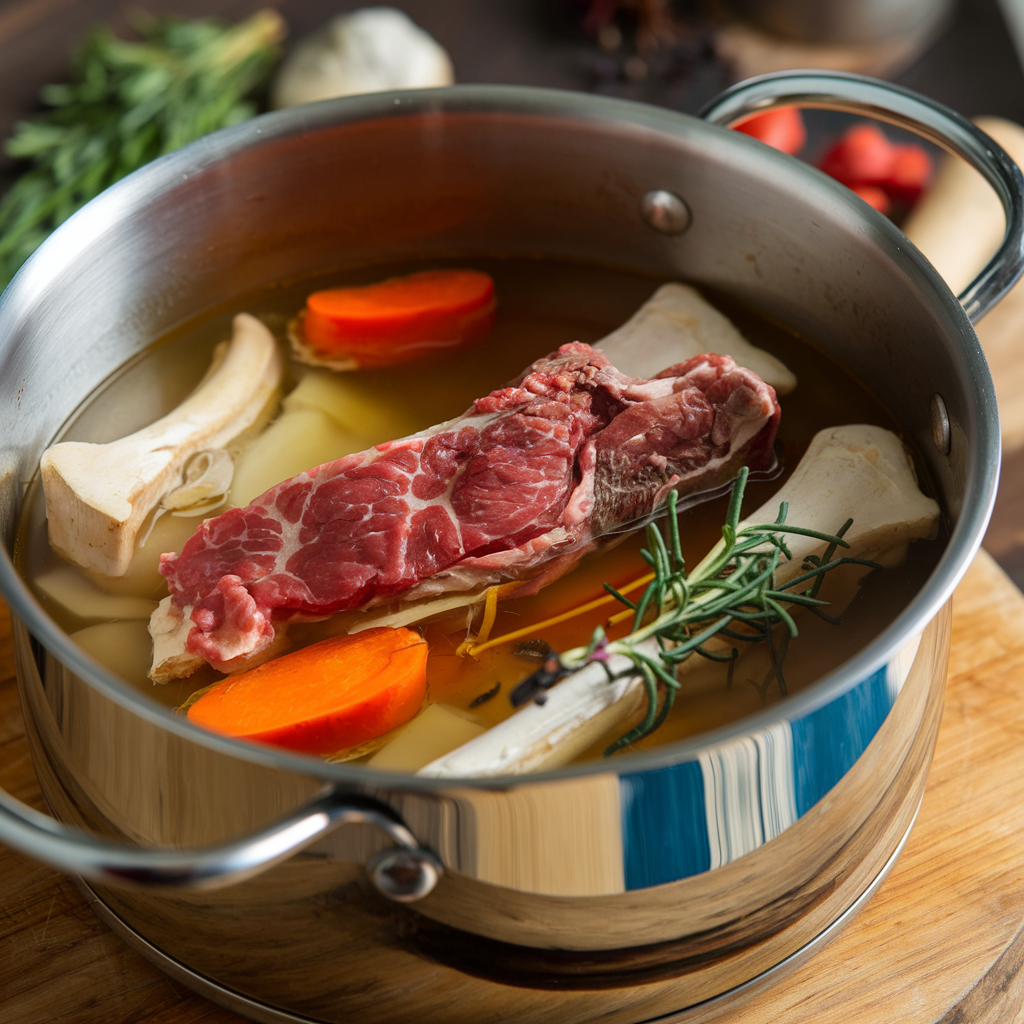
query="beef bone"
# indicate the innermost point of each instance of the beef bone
(99, 495)
(677, 323)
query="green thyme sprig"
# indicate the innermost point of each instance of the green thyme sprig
(732, 593)
(128, 103)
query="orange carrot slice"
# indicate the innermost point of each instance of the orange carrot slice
(400, 319)
(331, 695)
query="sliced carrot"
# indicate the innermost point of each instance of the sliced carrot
(324, 698)
(402, 318)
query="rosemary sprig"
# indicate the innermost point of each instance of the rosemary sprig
(731, 593)
(128, 103)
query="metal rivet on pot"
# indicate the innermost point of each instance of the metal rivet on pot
(940, 424)
(404, 875)
(665, 211)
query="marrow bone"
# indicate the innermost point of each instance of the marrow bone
(99, 495)
(676, 323)
(859, 471)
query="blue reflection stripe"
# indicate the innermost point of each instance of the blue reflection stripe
(828, 741)
(665, 812)
(664, 825)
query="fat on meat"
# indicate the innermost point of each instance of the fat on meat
(520, 487)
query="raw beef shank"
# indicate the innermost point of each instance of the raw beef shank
(519, 488)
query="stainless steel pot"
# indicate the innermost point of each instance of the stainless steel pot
(628, 889)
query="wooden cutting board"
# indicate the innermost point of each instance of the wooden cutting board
(941, 941)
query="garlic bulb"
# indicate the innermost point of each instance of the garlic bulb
(369, 50)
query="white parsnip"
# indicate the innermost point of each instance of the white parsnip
(295, 441)
(959, 222)
(859, 471)
(676, 323)
(99, 495)
(67, 587)
(958, 225)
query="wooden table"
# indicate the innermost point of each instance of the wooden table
(943, 939)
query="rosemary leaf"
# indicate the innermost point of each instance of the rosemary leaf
(128, 103)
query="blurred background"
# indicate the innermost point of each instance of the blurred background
(958, 51)
(675, 53)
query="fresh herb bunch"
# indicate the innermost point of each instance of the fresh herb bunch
(128, 103)
(734, 585)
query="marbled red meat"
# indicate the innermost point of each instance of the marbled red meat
(519, 488)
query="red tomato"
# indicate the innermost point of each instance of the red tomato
(782, 128)
(879, 172)
(909, 175)
(863, 156)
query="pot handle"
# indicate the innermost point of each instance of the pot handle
(404, 873)
(857, 94)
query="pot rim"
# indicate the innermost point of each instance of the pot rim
(131, 193)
